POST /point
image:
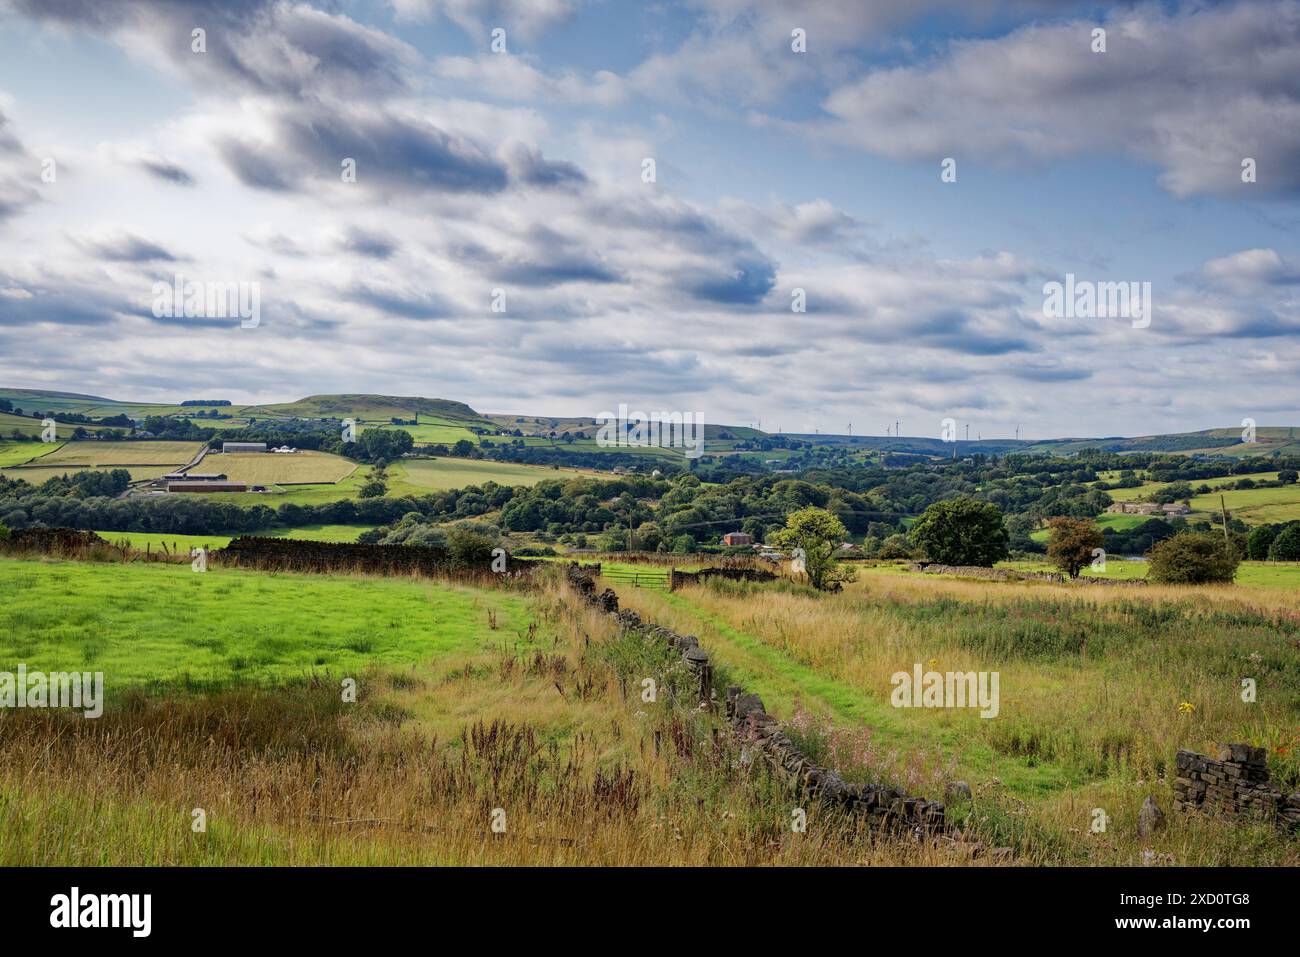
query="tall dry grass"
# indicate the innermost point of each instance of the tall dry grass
(1099, 688)
(559, 741)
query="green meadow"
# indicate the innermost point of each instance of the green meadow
(16, 453)
(152, 622)
(183, 543)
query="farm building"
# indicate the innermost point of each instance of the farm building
(194, 476)
(206, 487)
(243, 446)
(737, 538)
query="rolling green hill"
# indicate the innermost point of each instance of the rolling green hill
(447, 421)
(371, 408)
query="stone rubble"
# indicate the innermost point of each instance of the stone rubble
(1235, 786)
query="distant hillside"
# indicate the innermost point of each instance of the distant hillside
(32, 393)
(446, 420)
(366, 407)
(1268, 439)
(911, 444)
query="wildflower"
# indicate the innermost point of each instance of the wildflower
(1186, 707)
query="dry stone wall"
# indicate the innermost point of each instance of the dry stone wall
(1012, 575)
(886, 809)
(51, 541)
(284, 554)
(680, 578)
(1237, 785)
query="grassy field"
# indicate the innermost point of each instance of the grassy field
(16, 453)
(1113, 520)
(1099, 688)
(1256, 506)
(469, 701)
(431, 429)
(36, 474)
(1146, 489)
(150, 622)
(268, 468)
(32, 427)
(447, 473)
(183, 543)
(473, 699)
(125, 454)
(1285, 575)
(408, 477)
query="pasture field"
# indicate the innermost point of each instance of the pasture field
(1252, 574)
(1113, 520)
(93, 454)
(408, 477)
(268, 468)
(223, 691)
(1098, 689)
(1146, 489)
(36, 474)
(1115, 568)
(448, 473)
(154, 622)
(467, 700)
(183, 543)
(16, 453)
(29, 426)
(431, 430)
(1256, 506)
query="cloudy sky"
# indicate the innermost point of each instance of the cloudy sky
(128, 157)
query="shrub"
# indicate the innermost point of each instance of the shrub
(470, 549)
(895, 546)
(1192, 558)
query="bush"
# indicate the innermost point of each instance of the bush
(1193, 558)
(895, 546)
(534, 551)
(4, 533)
(470, 549)
(1286, 547)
